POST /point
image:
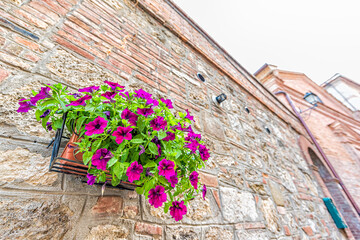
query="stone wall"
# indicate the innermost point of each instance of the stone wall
(260, 187)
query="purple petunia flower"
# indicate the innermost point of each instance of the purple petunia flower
(167, 102)
(107, 114)
(145, 111)
(178, 210)
(188, 116)
(166, 168)
(204, 191)
(179, 127)
(142, 94)
(109, 95)
(101, 157)
(25, 106)
(96, 127)
(49, 126)
(44, 93)
(192, 145)
(130, 116)
(47, 112)
(148, 173)
(154, 102)
(80, 101)
(194, 178)
(158, 123)
(89, 89)
(193, 136)
(76, 95)
(173, 180)
(125, 95)
(170, 136)
(114, 85)
(204, 152)
(158, 144)
(122, 133)
(134, 171)
(157, 196)
(91, 179)
(142, 150)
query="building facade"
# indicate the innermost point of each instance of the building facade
(335, 129)
(260, 183)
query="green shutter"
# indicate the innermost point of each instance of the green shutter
(334, 213)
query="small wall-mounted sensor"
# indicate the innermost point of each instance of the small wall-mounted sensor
(219, 99)
(247, 109)
(267, 130)
(201, 77)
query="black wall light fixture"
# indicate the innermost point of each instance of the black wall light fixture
(311, 98)
(247, 109)
(219, 99)
(267, 130)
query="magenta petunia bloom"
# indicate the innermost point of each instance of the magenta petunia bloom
(178, 210)
(166, 168)
(145, 111)
(80, 101)
(179, 127)
(76, 95)
(169, 137)
(194, 178)
(192, 145)
(89, 89)
(107, 114)
(125, 95)
(173, 180)
(49, 126)
(188, 116)
(25, 106)
(113, 85)
(133, 172)
(91, 179)
(204, 152)
(157, 196)
(96, 127)
(130, 116)
(204, 191)
(193, 136)
(154, 102)
(101, 157)
(167, 102)
(109, 95)
(44, 93)
(158, 123)
(122, 133)
(47, 112)
(142, 94)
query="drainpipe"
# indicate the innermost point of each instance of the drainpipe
(321, 151)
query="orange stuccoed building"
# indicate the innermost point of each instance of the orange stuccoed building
(336, 131)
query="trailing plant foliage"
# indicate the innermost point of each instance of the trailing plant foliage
(131, 136)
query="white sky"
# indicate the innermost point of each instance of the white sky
(316, 37)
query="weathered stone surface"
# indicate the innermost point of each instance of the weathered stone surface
(214, 233)
(34, 218)
(252, 235)
(277, 194)
(182, 233)
(21, 165)
(268, 209)
(108, 205)
(200, 210)
(213, 127)
(237, 206)
(77, 72)
(148, 229)
(108, 232)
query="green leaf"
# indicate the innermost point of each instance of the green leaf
(95, 146)
(167, 206)
(112, 161)
(139, 190)
(124, 155)
(137, 140)
(161, 134)
(86, 157)
(150, 164)
(80, 122)
(115, 181)
(141, 124)
(57, 123)
(118, 169)
(153, 148)
(38, 113)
